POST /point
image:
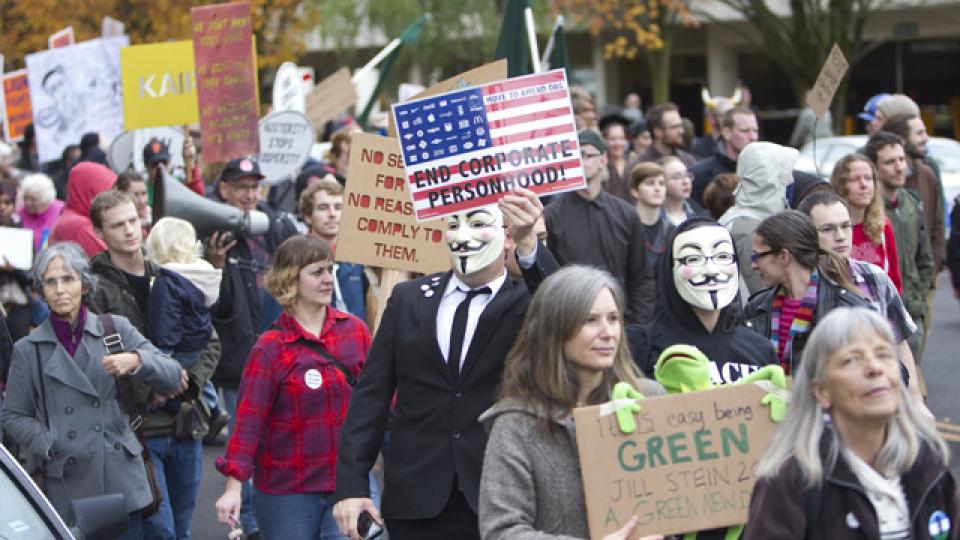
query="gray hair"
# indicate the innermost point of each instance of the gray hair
(73, 257)
(40, 185)
(800, 433)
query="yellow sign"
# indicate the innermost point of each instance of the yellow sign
(159, 85)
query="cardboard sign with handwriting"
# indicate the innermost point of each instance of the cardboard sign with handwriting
(690, 465)
(330, 97)
(18, 113)
(487, 73)
(828, 81)
(378, 227)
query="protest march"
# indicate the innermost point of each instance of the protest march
(413, 295)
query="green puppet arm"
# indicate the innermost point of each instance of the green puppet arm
(624, 391)
(683, 368)
(774, 374)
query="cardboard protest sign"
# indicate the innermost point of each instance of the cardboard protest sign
(126, 150)
(288, 93)
(828, 81)
(492, 72)
(467, 148)
(377, 227)
(285, 141)
(61, 38)
(76, 90)
(159, 85)
(330, 97)
(226, 80)
(16, 97)
(689, 466)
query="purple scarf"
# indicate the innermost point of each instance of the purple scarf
(69, 337)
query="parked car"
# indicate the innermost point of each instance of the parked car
(26, 514)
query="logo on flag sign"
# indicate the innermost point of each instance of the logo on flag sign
(468, 148)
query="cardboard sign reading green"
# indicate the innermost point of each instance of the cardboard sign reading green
(377, 227)
(689, 466)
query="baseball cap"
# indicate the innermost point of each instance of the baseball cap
(869, 113)
(241, 168)
(591, 137)
(155, 152)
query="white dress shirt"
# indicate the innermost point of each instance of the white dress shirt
(452, 296)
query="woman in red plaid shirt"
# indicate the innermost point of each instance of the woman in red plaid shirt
(293, 399)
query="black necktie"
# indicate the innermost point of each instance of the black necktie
(459, 330)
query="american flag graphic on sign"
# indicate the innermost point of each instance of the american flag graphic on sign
(467, 148)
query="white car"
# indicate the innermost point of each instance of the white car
(829, 150)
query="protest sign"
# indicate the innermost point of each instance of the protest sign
(126, 150)
(828, 81)
(288, 93)
(75, 90)
(468, 148)
(226, 80)
(377, 227)
(16, 247)
(690, 465)
(487, 73)
(61, 38)
(285, 141)
(159, 85)
(16, 97)
(330, 97)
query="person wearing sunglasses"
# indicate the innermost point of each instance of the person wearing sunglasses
(804, 282)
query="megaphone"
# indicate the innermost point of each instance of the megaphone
(173, 199)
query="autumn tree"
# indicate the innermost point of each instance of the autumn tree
(632, 28)
(799, 41)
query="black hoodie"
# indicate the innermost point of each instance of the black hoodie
(733, 349)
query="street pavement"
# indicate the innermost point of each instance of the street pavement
(941, 369)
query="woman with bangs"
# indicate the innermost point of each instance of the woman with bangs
(570, 353)
(293, 399)
(854, 179)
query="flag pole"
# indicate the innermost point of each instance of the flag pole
(375, 61)
(545, 60)
(532, 39)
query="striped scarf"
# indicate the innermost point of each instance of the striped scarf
(801, 322)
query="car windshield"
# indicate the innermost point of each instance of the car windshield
(19, 520)
(947, 154)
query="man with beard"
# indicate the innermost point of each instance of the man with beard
(697, 293)
(440, 350)
(667, 130)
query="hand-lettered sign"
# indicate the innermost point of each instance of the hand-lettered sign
(831, 74)
(330, 97)
(285, 141)
(159, 85)
(227, 80)
(468, 148)
(16, 96)
(377, 227)
(689, 466)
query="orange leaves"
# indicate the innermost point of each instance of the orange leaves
(628, 26)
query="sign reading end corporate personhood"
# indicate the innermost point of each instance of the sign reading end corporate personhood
(468, 148)
(690, 464)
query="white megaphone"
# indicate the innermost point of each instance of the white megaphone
(171, 198)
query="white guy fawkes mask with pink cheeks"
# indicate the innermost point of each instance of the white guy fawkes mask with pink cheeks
(475, 238)
(705, 267)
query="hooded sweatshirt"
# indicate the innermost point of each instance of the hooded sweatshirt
(765, 170)
(179, 308)
(733, 349)
(87, 180)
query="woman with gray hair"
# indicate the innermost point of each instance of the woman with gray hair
(40, 209)
(570, 353)
(62, 403)
(854, 457)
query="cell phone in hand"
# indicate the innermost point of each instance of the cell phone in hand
(368, 527)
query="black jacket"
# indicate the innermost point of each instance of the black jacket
(435, 436)
(237, 316)
(779, 505)
(708, 168)
(953, 244)
(830, 295)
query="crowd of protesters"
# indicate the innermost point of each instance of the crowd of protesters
(716, 242)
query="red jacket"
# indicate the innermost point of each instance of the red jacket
(87, 180)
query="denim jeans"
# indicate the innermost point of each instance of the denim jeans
(248, 522)
(178, 465)
(301, 515)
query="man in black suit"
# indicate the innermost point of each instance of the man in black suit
(441, 347)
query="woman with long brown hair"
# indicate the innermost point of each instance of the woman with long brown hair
(854, 179)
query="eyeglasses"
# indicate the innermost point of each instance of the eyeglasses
(756, 256)
(681, 176)
(723, 258)
(831, 228)
(587, 155)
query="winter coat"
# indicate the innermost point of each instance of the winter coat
(87, 180)
(923, 183)
(765, 169)
(779, 505)
(707, 169)
(73, 422)
(913, 250)
(178, 316)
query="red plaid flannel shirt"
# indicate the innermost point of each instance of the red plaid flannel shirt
(288, 421)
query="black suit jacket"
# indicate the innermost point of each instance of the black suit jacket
(434, 433)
